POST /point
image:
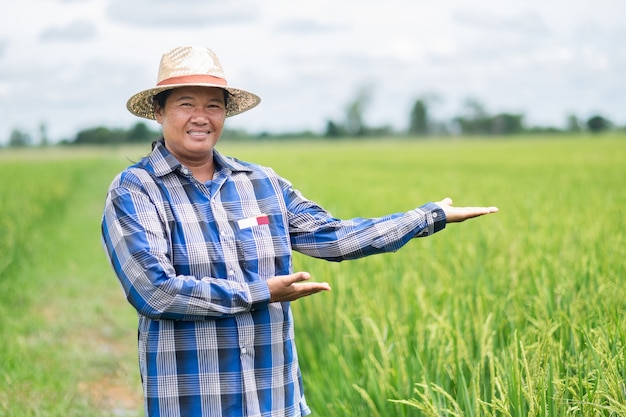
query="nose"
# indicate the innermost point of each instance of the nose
(200, 116)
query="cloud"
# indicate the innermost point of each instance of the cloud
(3, 47)
(307, 63)
(78, 30)
(523, 24)
(305, 27)
(166, 13)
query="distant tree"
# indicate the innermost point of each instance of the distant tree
(475, 120)
(100, 135)
(333, 130)
(544, 130)
(597, 124)
(419, 124)
(506, 124)
(572, 124)
(19, 139)
(140, 133)
(43, 134)
(355, 126)
(381, 131)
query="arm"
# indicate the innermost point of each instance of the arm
(139, 250)
(292, 287)
(315, 232)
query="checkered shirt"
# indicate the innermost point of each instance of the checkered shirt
(193, 262)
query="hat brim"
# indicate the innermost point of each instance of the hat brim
(239, 101)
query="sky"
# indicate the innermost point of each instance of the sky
(72, 64)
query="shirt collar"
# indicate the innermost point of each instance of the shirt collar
(161, 161)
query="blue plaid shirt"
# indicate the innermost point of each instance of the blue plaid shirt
(193, 260)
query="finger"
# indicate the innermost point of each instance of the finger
(479, 211)
(487, 210)
(312, 288)
(299, 277)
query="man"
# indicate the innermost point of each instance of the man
(202, 244)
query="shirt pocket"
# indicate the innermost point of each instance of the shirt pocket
(263, 245)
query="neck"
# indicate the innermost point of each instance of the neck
(203, 172)
(201, 167)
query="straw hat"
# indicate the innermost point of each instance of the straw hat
(191, 66)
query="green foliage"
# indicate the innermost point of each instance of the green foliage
(60, 331)
(597, 124)
(105, 136)
(477, 121)
(520, 313)
(516, 314)
(355, 123)
(19, 139)
(140, 133)
(418, 121)
(99, 135)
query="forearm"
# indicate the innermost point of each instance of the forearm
(141, 255)
(337, 240)
(157, 293)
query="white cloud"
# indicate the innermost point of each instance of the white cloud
(78, 30)
(167, 13)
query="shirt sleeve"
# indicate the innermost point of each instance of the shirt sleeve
(315, 232)
(136, 242)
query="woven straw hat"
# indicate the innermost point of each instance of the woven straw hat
(191, 66)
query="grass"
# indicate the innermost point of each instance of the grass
(516, 314)
(67, 339)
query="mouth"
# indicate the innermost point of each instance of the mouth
(198, 133)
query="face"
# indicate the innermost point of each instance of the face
(192, 121)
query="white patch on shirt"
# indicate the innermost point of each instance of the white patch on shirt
(253, 221)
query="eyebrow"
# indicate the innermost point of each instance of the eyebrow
(185, 97)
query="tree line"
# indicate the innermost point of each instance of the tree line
(474, 120)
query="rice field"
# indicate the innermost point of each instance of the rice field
(520, 313)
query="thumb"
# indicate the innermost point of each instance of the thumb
(299, 276)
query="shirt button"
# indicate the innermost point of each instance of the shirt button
(434, 215)
(244, 350)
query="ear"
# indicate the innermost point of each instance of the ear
(158, 113)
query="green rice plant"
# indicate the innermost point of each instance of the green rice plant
(493, 313)
(520, 313)
(55, 325)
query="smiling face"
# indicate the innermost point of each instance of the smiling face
(192, 120)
